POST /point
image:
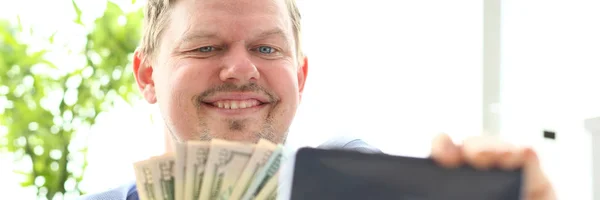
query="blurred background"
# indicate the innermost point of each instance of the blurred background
(393, 73)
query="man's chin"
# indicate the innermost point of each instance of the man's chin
(238, 137)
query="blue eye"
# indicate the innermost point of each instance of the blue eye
(266, 50)
(206, 49)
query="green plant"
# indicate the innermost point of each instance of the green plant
(44, 106)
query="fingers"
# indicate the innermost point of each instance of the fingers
(488, 152)
(445, 152)
(483, 152)
(511, 158)
(479, 152)
(537, 184)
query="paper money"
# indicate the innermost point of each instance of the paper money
(195, 162)
(144, 180)
(180, 158)
(211, 170)
(262, 153)
(269, 191)
(163, 170)
(225, 163)
(265, 174)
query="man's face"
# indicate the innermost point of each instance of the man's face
(225, 69)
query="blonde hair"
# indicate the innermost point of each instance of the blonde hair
(156, 17)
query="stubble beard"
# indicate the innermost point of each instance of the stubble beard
(204, 133)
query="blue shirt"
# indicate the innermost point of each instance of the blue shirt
(129, 191)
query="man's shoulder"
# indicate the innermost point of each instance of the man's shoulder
(126, 191)
(349, 143)
(129, 191)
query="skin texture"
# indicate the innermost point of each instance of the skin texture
(245, 49)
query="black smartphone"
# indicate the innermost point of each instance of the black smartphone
(349, 175)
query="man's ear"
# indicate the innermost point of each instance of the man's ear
(143, 76)
(302, 74)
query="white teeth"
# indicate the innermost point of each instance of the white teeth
(236, 104)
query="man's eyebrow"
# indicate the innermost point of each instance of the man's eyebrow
(197, 36)
(273, 32)
(210, 35)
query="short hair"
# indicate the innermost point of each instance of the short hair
(156, 17)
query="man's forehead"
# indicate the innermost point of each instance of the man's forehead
(233, 7)
(256, 17)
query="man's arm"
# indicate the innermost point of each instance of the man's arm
(124, 192)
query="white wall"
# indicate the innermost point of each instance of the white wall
(550, 67)
(392, 72)
(592, 125)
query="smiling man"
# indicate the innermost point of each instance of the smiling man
(222, 69)
(234, 69)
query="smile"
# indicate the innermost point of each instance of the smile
(236, 104)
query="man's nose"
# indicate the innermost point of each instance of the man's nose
(238, 67)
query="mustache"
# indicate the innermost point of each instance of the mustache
(231, 87)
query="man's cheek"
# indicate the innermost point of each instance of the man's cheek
(287, 89)
(182, 84)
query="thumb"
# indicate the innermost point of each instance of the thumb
(537, 184)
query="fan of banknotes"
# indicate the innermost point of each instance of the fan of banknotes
(211, 170)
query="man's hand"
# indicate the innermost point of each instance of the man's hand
(485, 152)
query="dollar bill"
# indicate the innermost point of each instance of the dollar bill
(144, 180)
(262, 153)
(269, 191)
(265, 174)
(195, 164)
(180, 158)
(164, 182)
(225, 163)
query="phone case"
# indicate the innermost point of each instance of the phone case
(342, 174)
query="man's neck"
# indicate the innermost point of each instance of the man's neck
(169, 146)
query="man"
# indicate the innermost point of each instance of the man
(234, 69)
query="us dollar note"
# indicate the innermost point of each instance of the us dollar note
(163, 168)
(195, 164)
(269, 191)
(262, 153)
(144, 180)
(265, 174)
(225, 163)
(180, 160)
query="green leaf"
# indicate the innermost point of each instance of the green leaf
(9, 39)
(19, 24)
(49, 64)
(78, 12)
(51, 38)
